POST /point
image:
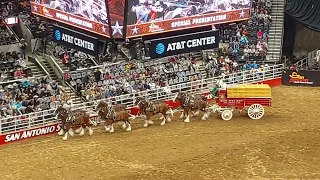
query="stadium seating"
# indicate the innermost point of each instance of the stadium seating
(13, 67)
(70, 59)
(134, 76)
(28, 95)
(247, 41)
(6, 36)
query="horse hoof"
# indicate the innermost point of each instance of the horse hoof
(168, 120)
(81, 133)
(145, 125)
(90, 132)
(64, 139)
(163, 123)
(61, 132)
(128, 130)
(186, 121)
(150, 122)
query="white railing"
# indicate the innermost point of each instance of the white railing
(32, 120)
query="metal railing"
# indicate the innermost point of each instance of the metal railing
(19, 80)
(302, 64)
(32, 120)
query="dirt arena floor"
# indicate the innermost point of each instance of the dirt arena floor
(285, 144)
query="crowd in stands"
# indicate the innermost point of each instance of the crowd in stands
(72, 59)
(6, 36)
(134, 76)
(28, 95)
(12, 66)
(242, 43)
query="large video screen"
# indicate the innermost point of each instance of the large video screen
(90, 15)
(147, 17)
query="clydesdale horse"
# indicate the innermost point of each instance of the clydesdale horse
(149, 109)
(72, 119)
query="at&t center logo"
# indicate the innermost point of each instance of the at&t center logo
(160, 48)
(57, 34)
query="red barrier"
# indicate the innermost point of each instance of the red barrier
(30, 133)
(51, 129)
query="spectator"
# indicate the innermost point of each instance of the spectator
(23, 46)
(259, 34)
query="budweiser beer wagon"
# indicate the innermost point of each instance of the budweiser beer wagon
(250, 97)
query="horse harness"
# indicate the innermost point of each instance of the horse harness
(111, 111)
(151, 107)
(71, 118)
(189, 100)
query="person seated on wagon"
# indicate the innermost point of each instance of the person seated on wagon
(219, 85)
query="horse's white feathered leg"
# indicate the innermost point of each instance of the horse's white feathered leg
(107, 128)
(146, 123)
(71, 132)
(90, 130)
(123, 125)
(182, 115)
(187, 119)
(168, 119)
(129, 127)
(81, 132)
(61, 132)
(78, 130)
(65, 137)
(112, 129)
(164, 121)
(204, 117)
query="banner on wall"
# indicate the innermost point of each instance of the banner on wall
(166, 16)
(184, 44)
(301, 78)
(76, 40)
(88, 15)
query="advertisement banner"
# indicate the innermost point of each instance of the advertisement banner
(30, 133)
(88, 15)
(184, 44)
(152, 17)
(301, 78)
(76, 40)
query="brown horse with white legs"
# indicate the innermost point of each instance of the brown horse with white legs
(71, 119)
(186, 103)
(149, 109)
(201, 104)
(190, 103)
(114, 114)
